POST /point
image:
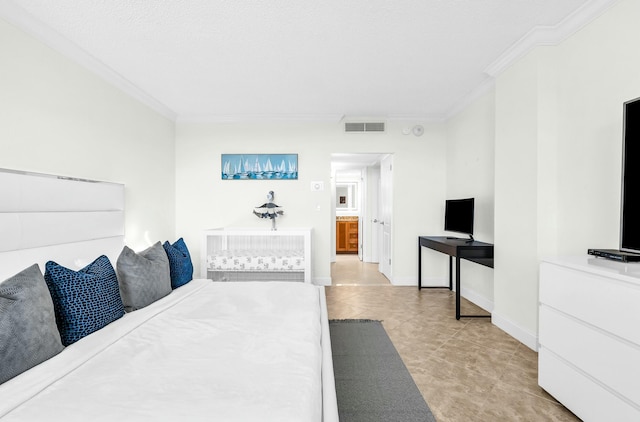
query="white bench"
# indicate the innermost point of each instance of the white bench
(231, 254)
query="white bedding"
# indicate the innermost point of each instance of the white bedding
(208, 351)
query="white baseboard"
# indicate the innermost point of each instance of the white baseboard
(322, 281)
(433, 282)
(477, 299)
(404, 281)
(522, 335)
(526, 337)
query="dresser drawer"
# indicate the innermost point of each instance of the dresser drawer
(612, 361)
(603, 302)
(587, 399)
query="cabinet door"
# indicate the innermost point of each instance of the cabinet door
(353, 236)
(341, 236)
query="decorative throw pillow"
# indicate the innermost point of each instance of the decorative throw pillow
(144, 277)
(84, 301)
(179, 263)
(28, 331)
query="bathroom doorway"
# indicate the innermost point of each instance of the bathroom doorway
(357, 224)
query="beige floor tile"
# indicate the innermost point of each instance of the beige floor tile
(467, 370)
(507, 404)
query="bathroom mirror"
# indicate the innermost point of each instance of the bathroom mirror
(347, 196)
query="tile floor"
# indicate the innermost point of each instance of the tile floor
(467, 370)
(348, 270)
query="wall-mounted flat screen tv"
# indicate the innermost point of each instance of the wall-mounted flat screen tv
(630, 206)
(458, 216)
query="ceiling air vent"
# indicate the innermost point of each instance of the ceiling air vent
(364, 127)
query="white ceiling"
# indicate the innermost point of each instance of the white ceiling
(296, 59)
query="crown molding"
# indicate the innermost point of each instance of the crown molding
(484, 87)
(549, 35)
(17, 16)
(257, 118)
(538, 36)
(423, 118)
(293, 118)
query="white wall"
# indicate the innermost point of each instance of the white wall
(205, 201)
(516, 228)
(598, 69)
(56, 117)
(556, 119)
(470, 173)
(558, 125)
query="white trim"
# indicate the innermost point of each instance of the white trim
(423, 118)
(404, 281)
(477, 299)
(32, 26)
(523, 335)
(538, 36)
(331, 118)
(433, 282)
(549, 35)
(486, 86)
(244, 118)
(322, 281)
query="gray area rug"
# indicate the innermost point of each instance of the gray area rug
(372, 382)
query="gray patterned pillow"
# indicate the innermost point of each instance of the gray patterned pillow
(143, 277)
(28, 331)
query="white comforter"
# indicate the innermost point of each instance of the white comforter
(209, 351)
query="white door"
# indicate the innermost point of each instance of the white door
(386, 212)
(362, 198)
(374, 216)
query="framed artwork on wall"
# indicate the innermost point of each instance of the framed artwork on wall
(259, 166)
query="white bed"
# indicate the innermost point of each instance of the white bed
(207, 351)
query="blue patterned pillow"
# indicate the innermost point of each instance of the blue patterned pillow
(84, 301)
(180, 265)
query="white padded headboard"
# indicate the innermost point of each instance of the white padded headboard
(70, 221)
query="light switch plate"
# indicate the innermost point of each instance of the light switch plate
(317, 186)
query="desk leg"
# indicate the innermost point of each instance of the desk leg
(419, 265)
(458, 316)
(457, 288)
(451, 272)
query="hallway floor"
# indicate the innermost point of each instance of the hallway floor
(348, 270)
(467, 370)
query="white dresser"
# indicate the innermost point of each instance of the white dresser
(589, 335)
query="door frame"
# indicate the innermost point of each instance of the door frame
(368, 229)
(386, 212)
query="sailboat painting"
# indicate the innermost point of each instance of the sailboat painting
(259, 166)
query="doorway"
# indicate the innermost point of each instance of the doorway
(349, 270)
(358, 193)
